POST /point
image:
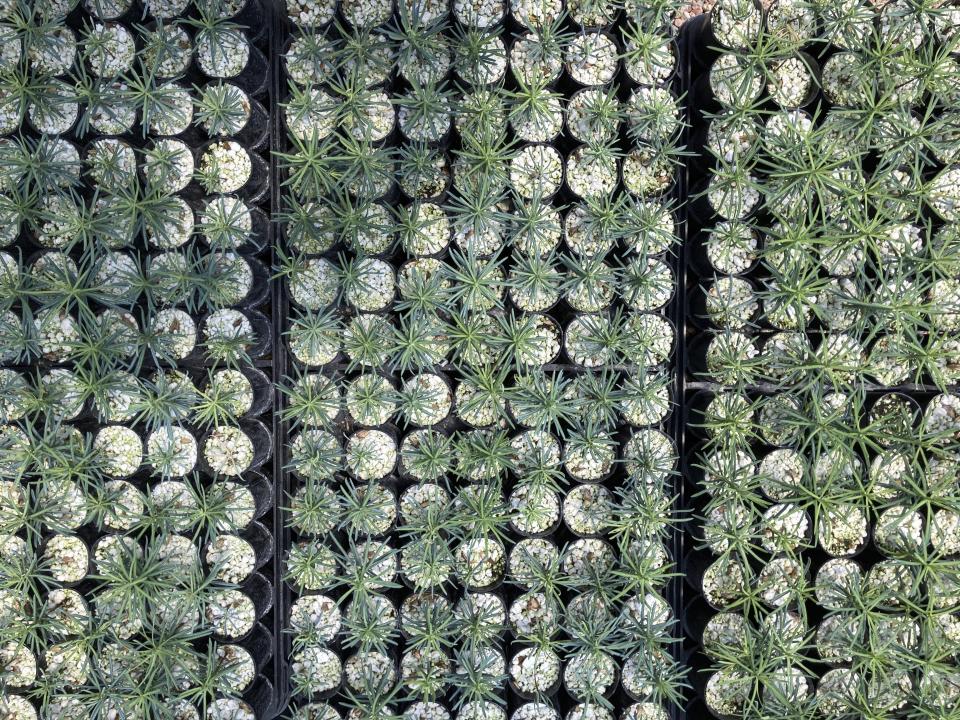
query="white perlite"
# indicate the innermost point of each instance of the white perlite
(534, 670)
(587, 509)
(232, 557)
(169, 165)
(121, 449)
(236, 387)
(230, 613)
(172, 451)
(223, 53)
(480, 562)
(735, 81)
(591, 171)
(66, 557)
(174, 498)
(175, 331)
(536, 170)
(374, 287)
(228, 325)
(789, 82)
(225, 167)
(316, 616)
(228, 450)
(592, 58)
(110, 49)
(371, 454)
(534, 508)
(315, 283)
(480, 13)
(230, 709)
(311, 13)
(646, 172)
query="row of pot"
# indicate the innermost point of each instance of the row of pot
(526, 283)
(429, 710)
(735, 303)
(169, 167)
(207, 45)
(61, 393)
(478, 565)
(738, 417)
(644, 338)
(546, 57)
(737, 247)
(113, 110)
(589, 456)
(225, 337)
(224, 222)
(311, 16)
(738, 24)
(735, 358)
(592, 116)
(340, 398)
(736, 192)
(427, 229)
(244, 12)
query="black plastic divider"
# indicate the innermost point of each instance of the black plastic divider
(677, 599)
(692, 708)
(280, 475)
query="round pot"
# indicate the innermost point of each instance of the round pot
(256, 132)
(261, 540)
(259, 644)
(260, 590)
(260, 439)
(261, 697)
(256, 186)
(253, 77)
(262, 491)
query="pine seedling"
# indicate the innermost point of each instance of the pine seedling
(312, 399)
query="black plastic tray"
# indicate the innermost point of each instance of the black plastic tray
(263, 585)
(284, 364)
(694, 385)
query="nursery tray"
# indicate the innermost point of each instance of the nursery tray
(284, 364)
(693, 388)
(685, 598)
(263, 641)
